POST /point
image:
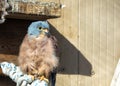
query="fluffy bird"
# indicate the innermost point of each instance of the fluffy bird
(37, 54)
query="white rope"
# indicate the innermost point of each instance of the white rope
(19, 77)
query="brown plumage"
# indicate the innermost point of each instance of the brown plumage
(37, 55)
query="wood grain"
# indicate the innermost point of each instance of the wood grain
(88, 37)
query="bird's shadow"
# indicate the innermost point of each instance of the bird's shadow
(72, 60)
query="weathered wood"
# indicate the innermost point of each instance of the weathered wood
(88, 37)
(30, 17)
(98, 39)
(37, 9)
(66, 33)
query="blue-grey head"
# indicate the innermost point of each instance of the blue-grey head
(37, 28)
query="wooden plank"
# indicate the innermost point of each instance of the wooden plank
(115, 61)
(85, 41)
(89, 40)
(111, 55)
(96, 41)
(44, 10)
(66, 31)
(70, 32)
(103, 43)
(102, 49)
(117, 30)
(30, 16)
(105, 36)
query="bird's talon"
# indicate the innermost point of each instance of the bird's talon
(43, 78)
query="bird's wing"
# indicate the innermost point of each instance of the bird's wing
(55, 43)
(53, 73)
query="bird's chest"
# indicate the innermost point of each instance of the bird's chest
(38, 49)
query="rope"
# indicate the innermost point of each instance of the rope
(19, 77)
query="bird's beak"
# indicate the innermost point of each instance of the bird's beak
(44, 31)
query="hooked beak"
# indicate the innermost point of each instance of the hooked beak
(44, 31)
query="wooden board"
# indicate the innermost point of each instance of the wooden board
(30, 16)
(88, 35)
(97, 42)
(34, 10)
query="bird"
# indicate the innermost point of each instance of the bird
(37, 52)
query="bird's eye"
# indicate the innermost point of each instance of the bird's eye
(40, 28)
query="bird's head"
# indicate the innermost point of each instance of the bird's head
(38, 28)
